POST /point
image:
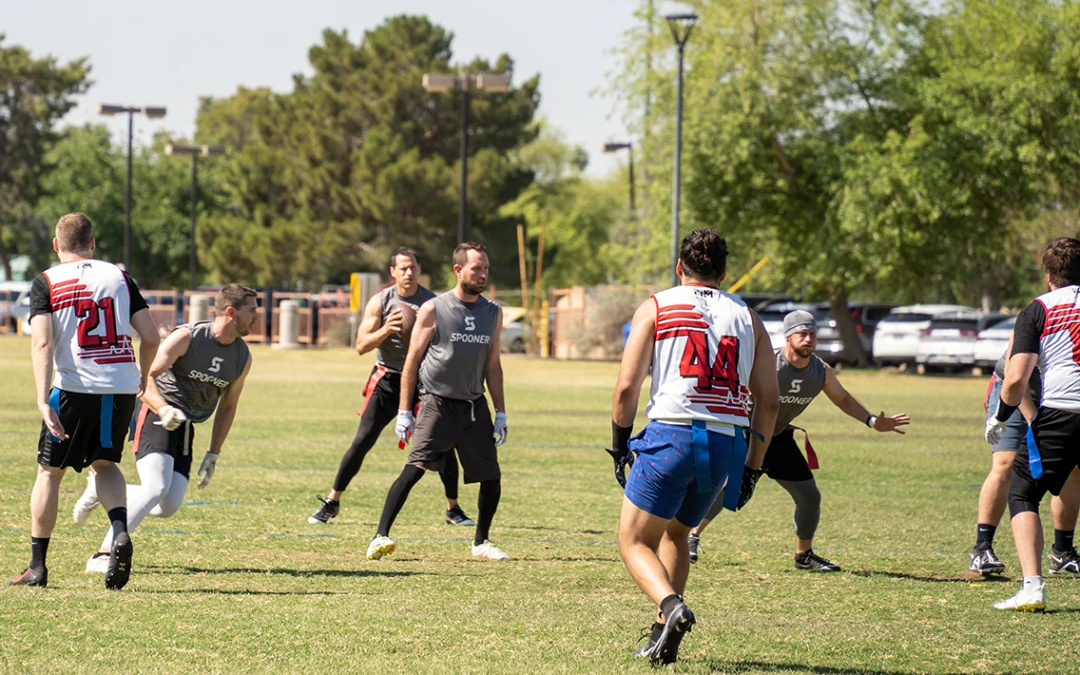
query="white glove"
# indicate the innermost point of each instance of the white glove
(404, 426)
(171, 418)
(994, 430)
(209, 464)
(500, 428)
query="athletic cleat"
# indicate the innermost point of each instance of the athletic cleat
(650, 636)
(695, 544)
(87, 502)
(1026, 600)
(328, 510)
(489, 551)
(31, 578)
(985, 561)
(119, 568)
(813, 562)
(379, 547)
(1064, 563)
(456, 516)
(98, 564)
(665, 649)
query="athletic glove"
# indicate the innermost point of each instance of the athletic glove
(500, 428)
(995, 428)
(206, 470)
(749, 482)
(171, 418)
(404, 426)
(620, 452)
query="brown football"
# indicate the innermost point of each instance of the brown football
(408, 320)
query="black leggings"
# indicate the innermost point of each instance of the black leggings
(487, 503)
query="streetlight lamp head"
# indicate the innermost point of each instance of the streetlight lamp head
(438, 82)
(173, 150)
(213, 150)
(153, 113)
(109, 110)
(681, 24)
(492, 82)
(615, 147)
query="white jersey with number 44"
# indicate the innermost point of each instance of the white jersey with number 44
(702, 356)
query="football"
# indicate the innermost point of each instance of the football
(408, 320)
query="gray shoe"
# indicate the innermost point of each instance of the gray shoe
(985, 561)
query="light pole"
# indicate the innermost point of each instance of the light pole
(153, 113)
(680, 25)
(629, 147)
(465, 82)
(194, 150)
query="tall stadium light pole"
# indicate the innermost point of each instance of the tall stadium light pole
(195, 151)
(629, 147)
(466, 83)
(680, 25)
(153, 113)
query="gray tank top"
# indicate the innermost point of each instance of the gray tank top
(393, 350)
(798, 387)
(197, 379)
(457, 357)
(1034, 384)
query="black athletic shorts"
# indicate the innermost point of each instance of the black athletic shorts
(1057, 436)
(151, 438)
(446, 423)
(382, 396)
(96, 425)
(784, 460)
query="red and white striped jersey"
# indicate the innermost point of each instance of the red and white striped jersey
(1054, 319)
(702, 356)
(90, 302)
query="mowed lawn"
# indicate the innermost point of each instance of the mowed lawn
(238, 581)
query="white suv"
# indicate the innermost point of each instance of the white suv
(896, 339)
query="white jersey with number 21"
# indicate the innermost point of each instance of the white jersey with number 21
(702, 356)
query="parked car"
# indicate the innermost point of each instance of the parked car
(758, 301)
(10, 292)
(21, 312)
(949, 342)
(515, 336)
(866, 317)
(896, 339)
(991, 343)
(772, 316)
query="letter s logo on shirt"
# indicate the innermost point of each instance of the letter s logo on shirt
(470, 323)
(796, 385)
(215, 364)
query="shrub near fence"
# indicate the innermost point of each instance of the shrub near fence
(587, 322)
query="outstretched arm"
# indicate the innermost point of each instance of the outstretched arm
(843, 399)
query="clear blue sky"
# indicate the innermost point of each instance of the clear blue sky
(170, 53)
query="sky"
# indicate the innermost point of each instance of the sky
(170, 53)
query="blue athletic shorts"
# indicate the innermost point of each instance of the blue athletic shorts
(1015, 437)
(663, 479)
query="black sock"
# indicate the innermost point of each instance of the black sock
(984, 534)
(657, 629)
(667, 605)
(118, 516)
(39, 547)
(395, 499)
(1063, 540)
(486, 504)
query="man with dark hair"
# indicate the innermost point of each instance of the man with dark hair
(198, 366)
(453, 351)
(707, 352)
(382, 329)
(802, 375)
(1047, 333)
(82, 312)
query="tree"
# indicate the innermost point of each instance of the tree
(34, 95)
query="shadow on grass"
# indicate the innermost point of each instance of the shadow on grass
(218, 591)
(763, 666)
(551, 529)
(960, 579)
(287, 572)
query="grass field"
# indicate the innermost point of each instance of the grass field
(238, 581)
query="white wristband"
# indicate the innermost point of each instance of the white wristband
(870, 421)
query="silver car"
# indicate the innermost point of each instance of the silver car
(949, 342)
(897, 337)
(992, 342)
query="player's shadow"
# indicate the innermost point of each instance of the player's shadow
(219, 591)
(299, 573)
(723, 665)
(538, 528)
(960, 579)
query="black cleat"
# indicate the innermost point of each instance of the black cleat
(985, 561)
(1067, 562)
(119, 562)
(328, 510)
(456, 516)
(695, 544)
(31, 577)
(665, 648)
(650, 635)
(813, 562)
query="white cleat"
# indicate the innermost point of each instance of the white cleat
(379, 547)
(87, 502)
(489, 551)
(98, 563)
(1025, 600)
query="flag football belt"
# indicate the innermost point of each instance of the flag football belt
(1034, 458)
(811, 456)
(703, 465)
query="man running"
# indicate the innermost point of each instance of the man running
(453, 351)
(381, 329)
(802, 376)
(707, 352)
(995, 489)
(200, 367)
(1045, 334)
(81, 315)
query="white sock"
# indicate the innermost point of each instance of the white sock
(1032, 582)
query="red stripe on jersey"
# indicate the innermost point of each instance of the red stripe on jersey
(115, 359)
(680, 323)
(725, 410)
(673, 308)
(678, 332)
(62, 284)
(69, 300)
(668, 316)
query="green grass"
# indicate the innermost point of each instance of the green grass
(238, 581)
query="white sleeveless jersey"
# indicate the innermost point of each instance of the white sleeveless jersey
(702, 356)
(91, 320)
(1059, 349)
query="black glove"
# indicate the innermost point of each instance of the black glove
(620, 452)
(749, 482)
